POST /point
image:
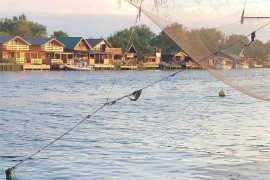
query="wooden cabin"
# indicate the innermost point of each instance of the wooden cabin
(45, 51)
(173, 57)
(177, 60)
(131, 54)
(130, 60)
(77, 47)
(152, 62)
(14, 47)
(103, 55)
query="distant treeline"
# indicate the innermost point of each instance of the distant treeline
(21, 26)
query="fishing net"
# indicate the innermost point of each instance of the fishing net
(228, 38)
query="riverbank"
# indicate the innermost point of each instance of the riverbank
(57, 67)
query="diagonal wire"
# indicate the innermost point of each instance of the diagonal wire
(118, 70)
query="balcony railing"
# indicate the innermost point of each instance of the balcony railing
(114, 50)
(16, 47)
(53, 48)
(36, 61)
(56, 61)
(19, 60)
(70, 61)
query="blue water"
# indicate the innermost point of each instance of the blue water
(178, 129)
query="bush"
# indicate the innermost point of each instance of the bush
(8, 60)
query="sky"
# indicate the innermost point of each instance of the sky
(101, 18)
(86, 18)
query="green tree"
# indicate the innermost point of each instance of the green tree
(60, 34)
(164, 42)
(213, 39)
(140, 37)
(38, 30)
(257, 49)
(21, 26)
(4, 33)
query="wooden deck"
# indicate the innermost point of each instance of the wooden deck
(10, 67)
(31, 67)
(104, 67)
(129, 67)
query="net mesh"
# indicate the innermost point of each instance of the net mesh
(213, 35)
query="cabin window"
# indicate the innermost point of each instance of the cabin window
(15, 42)
(103, 47)
(70, 56)
(12, 54)
(57, 56)
(51, 44)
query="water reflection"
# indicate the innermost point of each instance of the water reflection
(179, 129)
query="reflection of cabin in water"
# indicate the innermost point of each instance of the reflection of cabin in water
(14, 47)
(45, 51)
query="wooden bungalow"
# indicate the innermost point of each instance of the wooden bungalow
(14, 47)
(103, 55)
(131, 54)
(173, 57)
(131, 59)
(152, 62)
(45, 51)
(177, 60)
(77, 46)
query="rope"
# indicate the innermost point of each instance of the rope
(130, 37)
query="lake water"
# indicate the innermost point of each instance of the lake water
(178, 129)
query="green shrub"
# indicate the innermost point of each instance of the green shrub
(8, 60)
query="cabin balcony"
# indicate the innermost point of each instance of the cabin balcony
(36, 61)
(56, 61)
(70, 62)
(114, 50)
(16, 47)
(53, 48)
(19, 60)
(91, 61)
(107, 61)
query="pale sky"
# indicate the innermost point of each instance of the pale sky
(67, 6)
(86, 18)
(100, 18)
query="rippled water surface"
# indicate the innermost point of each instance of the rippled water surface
(178, 129)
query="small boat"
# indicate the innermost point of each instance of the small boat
(78, 68)
(241, 66)
(222, 66)
(222, 63)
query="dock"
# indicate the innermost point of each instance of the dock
(32, 67)
(10, 67)
(129, 67)
(104, 67)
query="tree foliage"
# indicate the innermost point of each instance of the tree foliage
(164, 42)
(60, 34)
(140, 37)
(21, 26)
